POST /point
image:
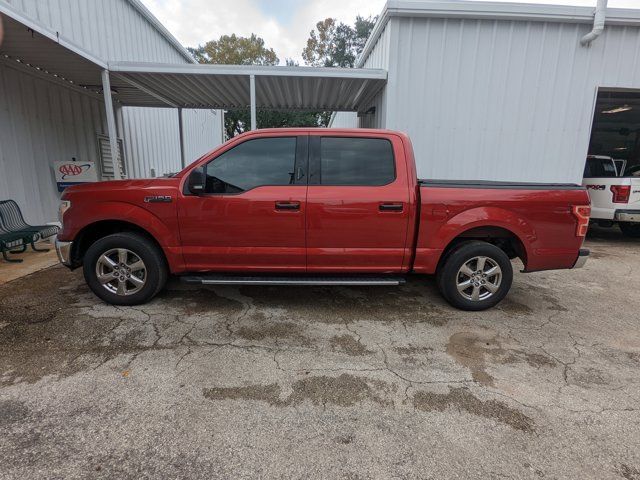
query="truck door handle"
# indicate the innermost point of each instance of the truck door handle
(285, 205)
(391, 207)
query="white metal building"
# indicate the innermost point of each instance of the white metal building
(497, 91)
(46, 118)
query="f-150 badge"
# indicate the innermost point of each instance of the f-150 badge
(158, 199)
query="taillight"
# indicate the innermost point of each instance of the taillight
(621, 193)
(582, 212)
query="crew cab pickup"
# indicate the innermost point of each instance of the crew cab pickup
(615, 195)
(319, 207)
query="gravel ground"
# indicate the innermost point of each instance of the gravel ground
(303, 382)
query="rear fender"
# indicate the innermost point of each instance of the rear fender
(430, 251)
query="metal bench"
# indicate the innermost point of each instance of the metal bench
(9, 241)
(12, 222)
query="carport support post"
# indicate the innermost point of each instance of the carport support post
(111, 123)
(252, 94)
(183, 160)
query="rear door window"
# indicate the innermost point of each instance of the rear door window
(356, 161)
(599, 167)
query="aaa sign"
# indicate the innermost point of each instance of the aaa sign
(73, 173)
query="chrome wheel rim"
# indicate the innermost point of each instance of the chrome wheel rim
(121, 271)
(479, 278)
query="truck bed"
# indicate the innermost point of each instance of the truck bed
(538, 217)
(498, 185)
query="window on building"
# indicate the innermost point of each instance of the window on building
(356, 161)
(106, 159)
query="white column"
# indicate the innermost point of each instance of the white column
(252, 94)
(111, 123)
(183, 160)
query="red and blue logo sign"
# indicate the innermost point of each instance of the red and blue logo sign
(73, 169)
(74, 173)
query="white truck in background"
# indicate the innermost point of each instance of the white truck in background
(615, 196)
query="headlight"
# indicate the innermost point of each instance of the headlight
(64, 206)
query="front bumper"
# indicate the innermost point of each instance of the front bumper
(627, 216)
(583, 255)
(63, 249)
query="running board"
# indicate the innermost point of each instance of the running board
(282, 280)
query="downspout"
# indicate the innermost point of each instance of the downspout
(598, 24)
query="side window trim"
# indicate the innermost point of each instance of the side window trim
(315, 175)
(315, 169)
(301, 151)
(301, 165)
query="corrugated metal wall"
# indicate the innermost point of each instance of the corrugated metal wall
(502, 100)
(378, 58)
(203, 131)
(152, 141)
(344, 120)
(112, 30)
(42, 123)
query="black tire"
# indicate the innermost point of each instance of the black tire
(630, 229)
(155, 268)
(448, 275)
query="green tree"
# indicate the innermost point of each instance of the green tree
(333, 44)
(235, 50)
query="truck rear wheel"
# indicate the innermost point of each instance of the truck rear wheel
(475, 275)
(630, 229)
(125, 269)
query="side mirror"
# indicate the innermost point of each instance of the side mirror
(195, 182)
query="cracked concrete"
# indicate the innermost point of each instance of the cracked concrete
(292, 382)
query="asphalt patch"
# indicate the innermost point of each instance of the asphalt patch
(278, 330)
(343, 391)
(476, 350)
(463, 399)
(12, 411)
(349, 345)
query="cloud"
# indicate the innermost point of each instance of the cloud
(284, 24)
(194, 22)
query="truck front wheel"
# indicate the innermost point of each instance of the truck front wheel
(475, 275)
(630, 229)
(125, 269)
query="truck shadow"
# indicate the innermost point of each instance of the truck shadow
(611, 235)
(416, 301)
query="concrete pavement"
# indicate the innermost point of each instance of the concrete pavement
(303, 382)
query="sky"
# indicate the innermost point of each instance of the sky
(283, 24)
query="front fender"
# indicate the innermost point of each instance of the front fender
(162, 225)
(77, 218)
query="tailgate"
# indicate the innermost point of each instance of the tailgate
(630, 212)
(634, 200)
(601, 195)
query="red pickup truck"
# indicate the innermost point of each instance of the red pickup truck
(317, 206)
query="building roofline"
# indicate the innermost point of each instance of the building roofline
(151, 18)
(247, 70)
(45, 31)
(491, 10)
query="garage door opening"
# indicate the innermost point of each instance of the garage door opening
(616, 130)
(612, 170)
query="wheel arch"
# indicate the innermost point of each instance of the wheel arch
(93, 232)
(498, 226)
(505, 239)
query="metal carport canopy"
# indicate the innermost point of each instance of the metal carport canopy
(231, 86)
